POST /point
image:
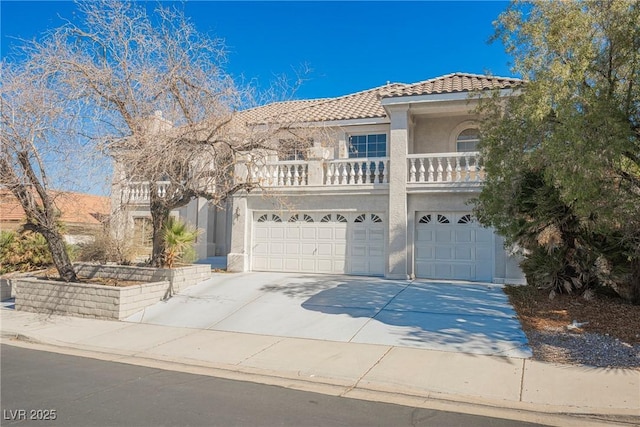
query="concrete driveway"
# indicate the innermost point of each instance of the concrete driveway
(471, 318)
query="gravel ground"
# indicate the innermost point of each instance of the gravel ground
(584, 348)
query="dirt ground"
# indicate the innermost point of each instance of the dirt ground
(604, 314)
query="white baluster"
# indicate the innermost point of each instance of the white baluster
(296, 175)
(458, 170)
(412, 170)
(421, 171)
(362, 177)
(440, 170)
(274, 175)
(431, 170)
(352, 173)
(467, 176)
(449, 170)
(376, 172)
(280, 171)
(385, 173)
(329, 174)
(288, 176)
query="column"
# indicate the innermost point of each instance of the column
(238, 259)
(397, 239)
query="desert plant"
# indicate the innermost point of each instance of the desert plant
(179, 238)
(23, 251)
(107, 248)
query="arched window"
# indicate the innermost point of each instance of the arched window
(467, 140)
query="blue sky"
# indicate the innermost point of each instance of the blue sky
(349, 46)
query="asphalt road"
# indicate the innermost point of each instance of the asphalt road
(77, 391)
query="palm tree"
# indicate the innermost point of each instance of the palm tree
(179, 237)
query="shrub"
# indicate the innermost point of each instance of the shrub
(23, 251)
(179, 238)
(106, 248)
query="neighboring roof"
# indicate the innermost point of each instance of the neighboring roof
(75, 208)
(366, 104)
(451, 83)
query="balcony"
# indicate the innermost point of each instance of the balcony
(356, 171)
(338, 172)
(447, 168)
(138, 192)
(425, 172)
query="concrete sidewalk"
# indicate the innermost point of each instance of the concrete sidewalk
(453, 381)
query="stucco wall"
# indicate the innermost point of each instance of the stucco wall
(435, 134)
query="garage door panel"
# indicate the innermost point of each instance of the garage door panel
(308, 249)
(291, 263)
(275, 248)
(308, 233)
(359, 235)
(463, 253)
(376, 235)
(325, 266)
(376, 251)
(308, 265)
(424, 252)
(292, 233)
(443, 236)
(443, 270)
(484, 235)
(277, 233)
(340, 233)
(424, 234)
(463, 271)
(276, 264)
(292, 248)
(443, 253)
(325, 249)
(340, 249)
(325, 233)
(464, 236)
(358, 250)
(484, 254)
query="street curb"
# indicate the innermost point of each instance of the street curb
(521, 411)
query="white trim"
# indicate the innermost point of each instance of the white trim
(439, 97)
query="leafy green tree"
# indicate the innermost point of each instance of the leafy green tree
(575, 126)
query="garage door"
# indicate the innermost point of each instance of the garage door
(312, 242)
(453, 246)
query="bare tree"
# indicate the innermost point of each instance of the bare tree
(35, 121)
(167, 111)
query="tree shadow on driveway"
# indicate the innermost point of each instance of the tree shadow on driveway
(471, 318)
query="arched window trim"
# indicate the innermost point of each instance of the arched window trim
(466, 125)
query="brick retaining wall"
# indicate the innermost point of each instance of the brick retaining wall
(100, 301)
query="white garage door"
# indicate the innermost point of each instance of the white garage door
(319, 242)
(453, 246)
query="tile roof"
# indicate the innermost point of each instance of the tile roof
(366, 104)
(452, 83)
(75, 208)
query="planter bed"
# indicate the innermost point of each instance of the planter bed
(103, 301)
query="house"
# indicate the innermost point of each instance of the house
(383, 192)
(82, 215)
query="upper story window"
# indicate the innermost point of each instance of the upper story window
(468, 140)
(374, 145)
(294, 150)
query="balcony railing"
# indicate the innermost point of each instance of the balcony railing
(444, 168)
(282, 173)
(138, 192)
(356, 171)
